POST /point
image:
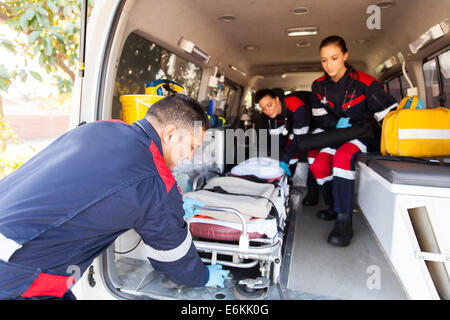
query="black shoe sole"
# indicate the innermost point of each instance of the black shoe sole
(338, 243)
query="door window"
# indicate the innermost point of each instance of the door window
(436, 73)
(142, 61)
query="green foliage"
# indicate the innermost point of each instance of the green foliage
(7, 163)
(52, 28)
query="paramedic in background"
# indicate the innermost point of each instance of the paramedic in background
(342, 97)
(288, 118)
(69, 203)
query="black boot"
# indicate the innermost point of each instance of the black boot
(327, 214)
(312, 197)
(342, 232)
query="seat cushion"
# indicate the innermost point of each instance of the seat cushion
(406, 172)
(210, 228)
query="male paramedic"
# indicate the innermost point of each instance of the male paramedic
(69, 203)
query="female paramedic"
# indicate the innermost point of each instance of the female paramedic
(288, 118)
(68, 204)
(341, 97)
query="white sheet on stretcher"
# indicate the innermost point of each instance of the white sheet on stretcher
(248, 206)
(261, 226)
(263, 168)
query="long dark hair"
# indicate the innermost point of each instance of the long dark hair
(336, 40)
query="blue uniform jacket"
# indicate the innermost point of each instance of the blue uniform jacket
(356, 95)
(69, 203)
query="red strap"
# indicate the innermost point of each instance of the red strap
(49, 285)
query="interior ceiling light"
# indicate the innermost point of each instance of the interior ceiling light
(237, 70)
(360, 41)
(227, 18)
(192, 49)
(300, 11)
(385, 4)
(303, 44)
(251, 47)
(302, 31)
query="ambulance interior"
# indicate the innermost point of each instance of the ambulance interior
(225, 51)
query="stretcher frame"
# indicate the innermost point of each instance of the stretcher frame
(267, 252)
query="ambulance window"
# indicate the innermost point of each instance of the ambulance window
(444, 67)
(142, 61)
(225, 102)
(395, 89)
(248, 100)
(431, 83)
(404, 85)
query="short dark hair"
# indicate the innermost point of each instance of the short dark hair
(262, 93)
(279, 92)
(336, 40)
(179, 109)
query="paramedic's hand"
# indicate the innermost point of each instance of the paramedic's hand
(285, 167)
(217, 276)
(343, 123)
(188, 206)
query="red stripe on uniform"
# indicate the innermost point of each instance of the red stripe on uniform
(322, 78)
(364, 78)
(328, 101)
(344, 155)
(162, 168)
(49, 285)
(353, 102)
(293, 103)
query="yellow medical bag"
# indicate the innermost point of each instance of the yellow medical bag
(415, 132)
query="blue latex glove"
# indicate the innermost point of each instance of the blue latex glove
(343, 123)
(188, 206)
(285, 167)
(217, 276)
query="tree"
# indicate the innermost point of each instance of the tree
(52, 35)
(52, 29)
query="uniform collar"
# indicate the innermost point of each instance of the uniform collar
(283, 109)
(342, 81)
(144, 127)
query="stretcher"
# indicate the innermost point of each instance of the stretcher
(243, 219)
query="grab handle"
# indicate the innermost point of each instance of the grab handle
(244, 240)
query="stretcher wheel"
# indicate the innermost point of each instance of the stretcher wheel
(243, 292)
